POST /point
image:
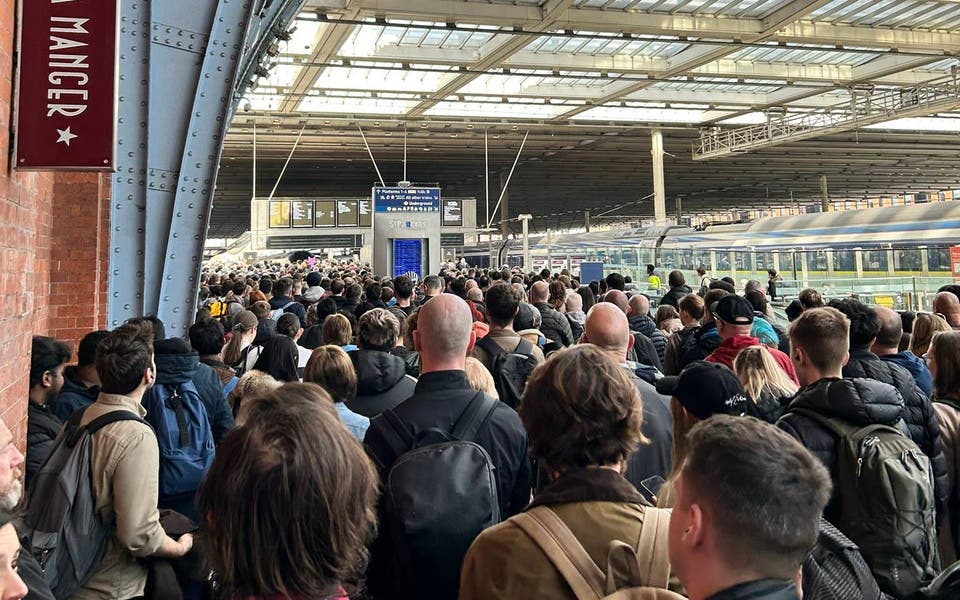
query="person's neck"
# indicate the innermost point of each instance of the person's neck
(689, 321)
(87, 375)
(714, 577)
(495, 327)
(812, 376)
(38, 395)
(884, 350)
(429, 365)
(618, 354)
(403, 302)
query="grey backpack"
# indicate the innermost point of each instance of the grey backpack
(63, 530)
(885, 488)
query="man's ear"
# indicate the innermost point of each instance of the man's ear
(473, 341)
(47, 379)
(416, 340)
(694, 533)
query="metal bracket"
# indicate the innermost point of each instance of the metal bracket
(179, 38)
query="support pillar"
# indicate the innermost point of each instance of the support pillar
(858, 260)
(924, 262)
(504, 206)
(586, 220)
(830, 264)
(891, 267)
(525, 219)
(659, 190)
(804, 276)
(824, 194)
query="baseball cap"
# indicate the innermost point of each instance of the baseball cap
(706, 389)
(733, 309)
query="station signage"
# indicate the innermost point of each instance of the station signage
(67, 85)
(388, 200)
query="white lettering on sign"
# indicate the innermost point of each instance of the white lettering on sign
(69, 28)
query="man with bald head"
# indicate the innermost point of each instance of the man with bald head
(887, 347)
(641, 322)
(606, 327)
(643, 350)
(555, 326)
(443, 337)
(948, 305)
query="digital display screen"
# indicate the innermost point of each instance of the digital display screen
(366, 213)
(386, 200)
(453, 212)
(407, 257)
(347, 213)
(302, 213)
(326, 213)
(280, 214)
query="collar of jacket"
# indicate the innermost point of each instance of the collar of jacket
(43, 407)
(767, 589)
(436, 381)
(124, 402)
(589, 485)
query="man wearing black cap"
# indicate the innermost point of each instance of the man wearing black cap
(705, 389)
(734, 317)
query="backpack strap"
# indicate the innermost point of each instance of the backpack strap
(175, 402)
(555, 539)
(490, 347)
(395, 433)
(474, 417)
(837, 426)
(284, 308)
(524, 347)
(652, 554)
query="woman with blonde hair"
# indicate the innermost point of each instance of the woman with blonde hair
(924, 327)
(480, 378)
(338, 331)
(767, 386)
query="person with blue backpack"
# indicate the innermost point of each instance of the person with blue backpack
(180, 418)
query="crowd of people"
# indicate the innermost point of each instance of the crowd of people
(327, 433)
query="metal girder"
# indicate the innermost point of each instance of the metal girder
(327, 42)
(863, 109)
(178, 71)
(790, 12)
(493, 53)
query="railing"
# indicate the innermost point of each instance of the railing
(864, 108)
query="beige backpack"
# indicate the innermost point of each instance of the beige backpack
(632, 574)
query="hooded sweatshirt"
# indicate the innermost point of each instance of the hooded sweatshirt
(728, 350)
(382, 382)
(73, 395)
(312, 295)
(176, 364)
(913, 363)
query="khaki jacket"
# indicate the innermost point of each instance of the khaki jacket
(598, 505)
(125, 463)
(949, 418)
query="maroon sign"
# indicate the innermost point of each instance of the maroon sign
(67, 85)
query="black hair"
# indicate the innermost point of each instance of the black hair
(288, 324)
(279, 358)
(206, 337)
(864, 323)
(87, 350)
(46, 355)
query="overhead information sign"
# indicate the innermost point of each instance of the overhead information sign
(347, 213)
(326, 213)
(366, 214)
(387, 200)
(280, 213)
(302, 213)
(67, 85)
(453, 213)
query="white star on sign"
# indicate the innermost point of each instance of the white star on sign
(65, 136)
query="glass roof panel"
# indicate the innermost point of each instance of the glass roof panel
(264, 101)
(497, 109)
(381, 79)
(920, 124)
(338, 105)
(641, 114)
(802, 56)
(301, 42)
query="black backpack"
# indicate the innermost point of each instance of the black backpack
(440, 493)
(63, 530)
(510, 370)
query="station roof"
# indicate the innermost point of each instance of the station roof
(588, 79)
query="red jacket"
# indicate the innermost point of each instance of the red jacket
(730, 348)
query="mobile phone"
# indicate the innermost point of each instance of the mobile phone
(652, 485)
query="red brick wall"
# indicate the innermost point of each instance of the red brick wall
(54, 237)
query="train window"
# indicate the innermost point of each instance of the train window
(764, 261)
(875, 260)
(938, 259)
(907, 260)
(701, 258)
(844, 260)
(816, 260)
(668, 258)
(743, 260)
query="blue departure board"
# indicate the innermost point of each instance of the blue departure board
(407, 257)
(387, 200)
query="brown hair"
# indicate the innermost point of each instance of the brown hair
(409, 326)
(580, 409)
(290, 499)
(665, 312)
(331, 368)
(337, 330)
(765, 492)
(124, 356)
(810, 298)
(924, 327)
(945, 351)
(824, 334)
(558, 295)
(693, 304)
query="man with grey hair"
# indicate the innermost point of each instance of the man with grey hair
(443, 394)
(382, 380)
(555, 326)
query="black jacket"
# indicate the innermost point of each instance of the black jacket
(440, 398)
(922, 422)
(555, 326)
(857, 401)
(73, 395)
(42, 429)
(29, 569)
(410, 358)
(762, 589)
(645, 325)
(672, 297)
(644, 351)
(656, 457)
(173, 369)
(699, 345)
(382, 382)
(366, 306)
